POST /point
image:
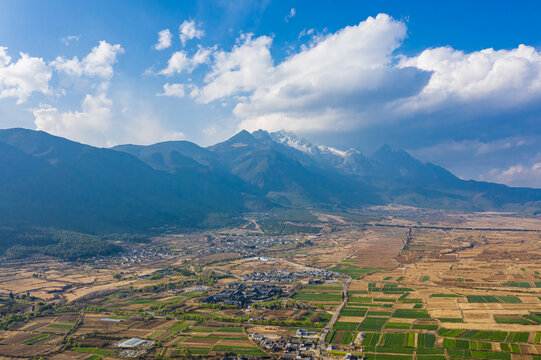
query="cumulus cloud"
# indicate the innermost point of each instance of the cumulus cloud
(98, 63)
(244, 68)
(175, 90)
(335, 83)
(179, 61)
(164, 40)
(189, 31)
(90, 125)
(22, 78)
(356, 78)
(488, 79)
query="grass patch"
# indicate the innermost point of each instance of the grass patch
(425, 278)
(445, 296)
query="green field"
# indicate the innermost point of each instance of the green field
(397, 325)
(355, 272)
(411, 314)
(178, 326)
(35, 340)
(353, 312)
(426, 340)
(348, 337)
(518, 337)
(485, 335)
(60, 326)
(445, 296)
(398, 340)
(450, 332)
(513, 320)
(341, 325)
(370, 339)
(451, 320)
(91, 350)
(425, 326)
(493, 299)
(525, 285)
(317, 297)
(372, 324)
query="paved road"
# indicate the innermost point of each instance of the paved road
(321, 345)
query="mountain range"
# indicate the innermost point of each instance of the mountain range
(54, 182)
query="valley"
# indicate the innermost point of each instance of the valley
(419, 284)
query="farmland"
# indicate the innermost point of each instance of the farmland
(441, 297)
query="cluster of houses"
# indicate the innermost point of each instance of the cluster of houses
(289, 349)
(242, 294)
(247, 245)
(284, 276)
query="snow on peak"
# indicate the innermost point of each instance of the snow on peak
(300, 144)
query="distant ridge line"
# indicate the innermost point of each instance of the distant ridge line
(450, 227)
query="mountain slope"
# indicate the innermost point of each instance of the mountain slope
(69, 185)
(399, 178)
(53, 182)
(287, 174)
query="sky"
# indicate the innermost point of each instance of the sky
(454, 83)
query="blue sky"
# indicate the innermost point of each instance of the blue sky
(418, 76)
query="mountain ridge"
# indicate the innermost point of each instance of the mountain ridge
(52, 181)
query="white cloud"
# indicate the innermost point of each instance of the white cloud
(22, 78)
(68, 40)
(338, 82)
(164, 39)
(516, 175)
(189, 31)
(290, 15)
(355, 78)
(488, 79)
(89, 125)
(179, 61)
(247, 66)
(176, 90)
(98, 63)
